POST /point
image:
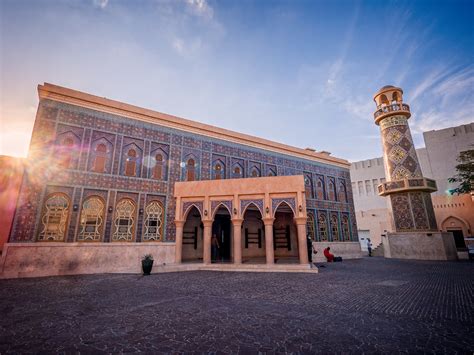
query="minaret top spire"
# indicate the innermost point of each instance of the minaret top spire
(389, 101)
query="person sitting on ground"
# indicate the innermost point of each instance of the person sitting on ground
(328, 255)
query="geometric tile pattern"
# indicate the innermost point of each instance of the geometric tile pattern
(412, 211)
(216, 204)
(257, 203)
(399, 152)
(188, 205)
(289, 201)
(120, 132)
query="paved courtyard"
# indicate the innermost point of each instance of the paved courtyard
(370, 305)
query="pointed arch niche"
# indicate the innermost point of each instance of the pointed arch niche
(285, 235)
(192, 246)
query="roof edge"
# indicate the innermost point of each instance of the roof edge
(71, 96)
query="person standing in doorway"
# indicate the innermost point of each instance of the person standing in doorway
(369, 246)
(214, 248)
(309, 245)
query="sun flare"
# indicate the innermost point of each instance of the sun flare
(14, 143)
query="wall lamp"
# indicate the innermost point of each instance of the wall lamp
(267, 210)
(205, 212)
(111, 209)
(235, 210)
(140, 211)
(75, 207)
(300, 208)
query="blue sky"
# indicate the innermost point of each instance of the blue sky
(298, 72)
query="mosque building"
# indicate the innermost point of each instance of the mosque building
(107, 182)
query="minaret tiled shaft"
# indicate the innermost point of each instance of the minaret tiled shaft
(408, 190)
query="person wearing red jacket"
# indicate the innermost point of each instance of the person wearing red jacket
(328, 255)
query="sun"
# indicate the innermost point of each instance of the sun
(14, 143)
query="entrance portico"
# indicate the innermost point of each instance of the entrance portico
(254, 204)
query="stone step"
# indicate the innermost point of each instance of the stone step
(306, 268)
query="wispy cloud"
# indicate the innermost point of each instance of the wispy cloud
(444, 99)
(101, 3)
(200, 8)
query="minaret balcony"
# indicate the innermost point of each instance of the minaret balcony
(407, 185)
(395, 108)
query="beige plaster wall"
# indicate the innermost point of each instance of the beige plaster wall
(420, 246)
(348, 250)
(454, 212)
(376, 221)
(47, 259)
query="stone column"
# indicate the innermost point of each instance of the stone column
(207, 241)
(179, 241)
(269, 252)
(237, 233)
(302, 246)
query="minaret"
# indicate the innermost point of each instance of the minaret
(408, 190)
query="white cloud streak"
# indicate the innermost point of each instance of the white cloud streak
(101, 3)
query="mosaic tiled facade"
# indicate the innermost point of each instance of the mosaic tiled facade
(409, 192)
(122, 162)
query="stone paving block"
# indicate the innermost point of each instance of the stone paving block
(371, 305)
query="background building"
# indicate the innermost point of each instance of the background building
(438, 160)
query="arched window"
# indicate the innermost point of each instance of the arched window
(54, 219)
(100, 158)
(158, 169)
(124, 221)
(334, 228)
(219, 171)
(342, 195)
(65, 152)
(310, 226)
(331, 190)
(323, 227)
(383, 101)
(190, 170)
(131, 163)
(271, 172)
(92, 219)
(154, 213)
(254, 172)
(308, 187)
(395, 98)
(346, 234)
(320, 189)
(237, 171)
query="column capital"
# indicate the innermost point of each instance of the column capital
(237, 221)
(179, 223)
(300, 220)
(207, 222)
(268, 221)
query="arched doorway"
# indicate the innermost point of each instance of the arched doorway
(221, 229)
(192, 236)
(285, 236)
(253, 236)
(459, 229)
